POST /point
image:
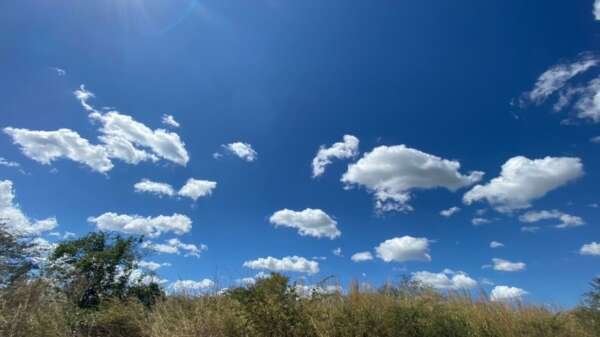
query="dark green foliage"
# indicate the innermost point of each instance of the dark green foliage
(15, 256)
(97, 267)
(272, 308)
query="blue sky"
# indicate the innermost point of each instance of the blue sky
(434, 98)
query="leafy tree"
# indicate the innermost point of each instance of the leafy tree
(97, 267)
(15, 256)
(592, 298)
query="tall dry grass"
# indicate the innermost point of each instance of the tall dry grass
(34, 309)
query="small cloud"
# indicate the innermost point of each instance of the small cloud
(59, 71)
(530, 229)
(506, 294)
(480, 221)
(496, 244)
(337, 252)
(505, 265)
(170, 121)
(450, 211)
(362, 257)
(241, 150)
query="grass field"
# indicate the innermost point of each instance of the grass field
(272, 308)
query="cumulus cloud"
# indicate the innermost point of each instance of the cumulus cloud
(16, 220)
(154, 187)
(241, 150)
(505, 265)
(406, 248)
(496, 244)
(170, 121)
(187, 286)
(129, 140)
(592, 248)
(151, 265)
(361, 257)
(286, 264)
(174, 246)
(505, 293)
(392, 172)
(342, 150)
(122, 137)
(566, 220)
(450, 211)
(523, 180)
(48, 146)
(309, 222)
(139, 225)
(195, 188)
(446, 280)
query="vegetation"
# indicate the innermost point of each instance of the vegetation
(88, 291)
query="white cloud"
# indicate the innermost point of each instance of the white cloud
(556, 78)
(342, 150)
(505, 265)
(8, 163)
(186, 286)
(48, 146)
(307, 291)
(406, 248)
(16, 221)
(450, 211)
(122, 133)
(505, 293)
(496, 244)
(446, 280)
(592, 248)
(170, 121)
(480, 221)
(192, 189)
(174, 246)
(597, 9)
(530, 229)
(392, 172)
(309, 222)
(83, 96)
(595, 140)
(288, 263)
(151, 265)
(242, 150)
(362, 256)
(337, 251)
(59, 71)
(139, 225)
(523, 180)
(566, 220)
(157, 188)
(195, 188)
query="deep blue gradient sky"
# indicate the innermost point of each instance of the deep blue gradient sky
(288, 77)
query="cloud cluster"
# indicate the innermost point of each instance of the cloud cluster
(342, 150)
(16, 220)
(566, 220)
(309, 222)
(446, 280)
(580, 98)
(190, 286)
(193, 188)
(505, 265)
(287, 264)
(523, 180)
(174, 246)
(122, 138)
(406, 248)
(392, 172)
(507, 294)
(139, 225)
